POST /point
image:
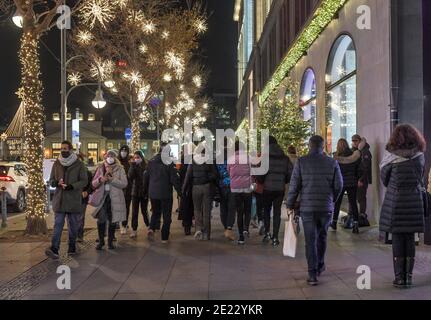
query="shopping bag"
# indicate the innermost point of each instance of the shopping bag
(290, 238)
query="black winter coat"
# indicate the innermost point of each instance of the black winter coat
(350, 170)
(279, 171)
(402, 210)
(366, 165)
(159, 179)
(136, 179)
(317, 180)
(125, 162)
(199, 174)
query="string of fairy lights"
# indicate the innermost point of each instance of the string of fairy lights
(33, 126)
(324, 14)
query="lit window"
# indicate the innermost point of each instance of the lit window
(308, 98)
(91, 117)
(341, 92)
(56, 116)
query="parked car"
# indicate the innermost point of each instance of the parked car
(13, 180)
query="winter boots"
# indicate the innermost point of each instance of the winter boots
(399, 265)
(101, 227)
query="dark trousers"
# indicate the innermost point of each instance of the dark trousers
(351, 194)
(316, 232)
(259, 206)
(105, 217)
(362, 198)
(202, 202)
(243, 210)
(136, 202)
(403, 245)
(227, 208)
(128, 202)
(81, 220)
(272, 199)
(161, 207)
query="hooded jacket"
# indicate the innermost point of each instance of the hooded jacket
(239, 173)
(402, 210)
(279, 171)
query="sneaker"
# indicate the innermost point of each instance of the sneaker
(246, 234)
(133, 234)
(241, 239)
(334, 225)
(228, 233)
(100, 246)
(261, 228)
(198, 235)
(165, 241)
(266, 238)
(123, 231)
(150, 235)
(52, 253)
(312, 280)
(275, 242)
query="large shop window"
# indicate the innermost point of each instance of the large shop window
(341, 92)
(308, 97)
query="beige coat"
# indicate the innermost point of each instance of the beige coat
(117, 184)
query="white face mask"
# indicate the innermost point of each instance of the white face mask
(110, 160)
(123, 154)
(138, 161)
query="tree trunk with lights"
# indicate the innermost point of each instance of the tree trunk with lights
(135, 143)
(31, 95)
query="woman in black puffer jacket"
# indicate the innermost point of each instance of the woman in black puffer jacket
(350, 169)
(402, 171)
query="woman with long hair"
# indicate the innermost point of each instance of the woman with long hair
(350, 169)
(402, 215)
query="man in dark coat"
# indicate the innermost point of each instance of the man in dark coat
(159, 179)
(366, 170)
(125, 159)
(69, 177)
(317, 180)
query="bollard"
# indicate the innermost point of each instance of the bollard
(3, 207)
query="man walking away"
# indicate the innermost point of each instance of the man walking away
(159, 178)
(317, 180)
(69, 177)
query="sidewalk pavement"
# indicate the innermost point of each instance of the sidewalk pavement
(216, 269)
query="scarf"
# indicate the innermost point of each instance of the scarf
(67, 162)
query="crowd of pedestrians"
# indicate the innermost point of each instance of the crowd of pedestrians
(312, 187)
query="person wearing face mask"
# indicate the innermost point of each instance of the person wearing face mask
(135, 175)
(126, 160)
(108, 183)
(69, 177)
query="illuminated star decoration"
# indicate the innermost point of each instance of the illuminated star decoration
(74, 78)
(84, 37)
(135, 77)
(165, 34)
(200, 25)
(176, 62)
(100, 11)
(167, 77)
(143, 48)
(106, 69)
(121, 3)
(197, 80)
(149, 27)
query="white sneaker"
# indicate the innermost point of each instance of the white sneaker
(133, 234)
(123, 230)
(198, 235)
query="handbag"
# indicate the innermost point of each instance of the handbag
(290, 237)
(92, 210)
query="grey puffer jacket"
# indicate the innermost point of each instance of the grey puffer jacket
(317, 180)
(279, 171)
(402, 210)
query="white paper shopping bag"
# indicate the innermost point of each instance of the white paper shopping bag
(290, 238)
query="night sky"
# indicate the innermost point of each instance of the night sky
(218, 53)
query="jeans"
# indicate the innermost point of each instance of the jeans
(316, 232)
(128, 202)
(243, 210)
(72, 225)
(259, 206)
(272, 199)
(202, 207)
(161, 207)
(81, 221)
(227, 208)
(143, 202)
(351, 194)
(362, 198)
(403, 245)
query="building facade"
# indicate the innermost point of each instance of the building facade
(359, 64)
